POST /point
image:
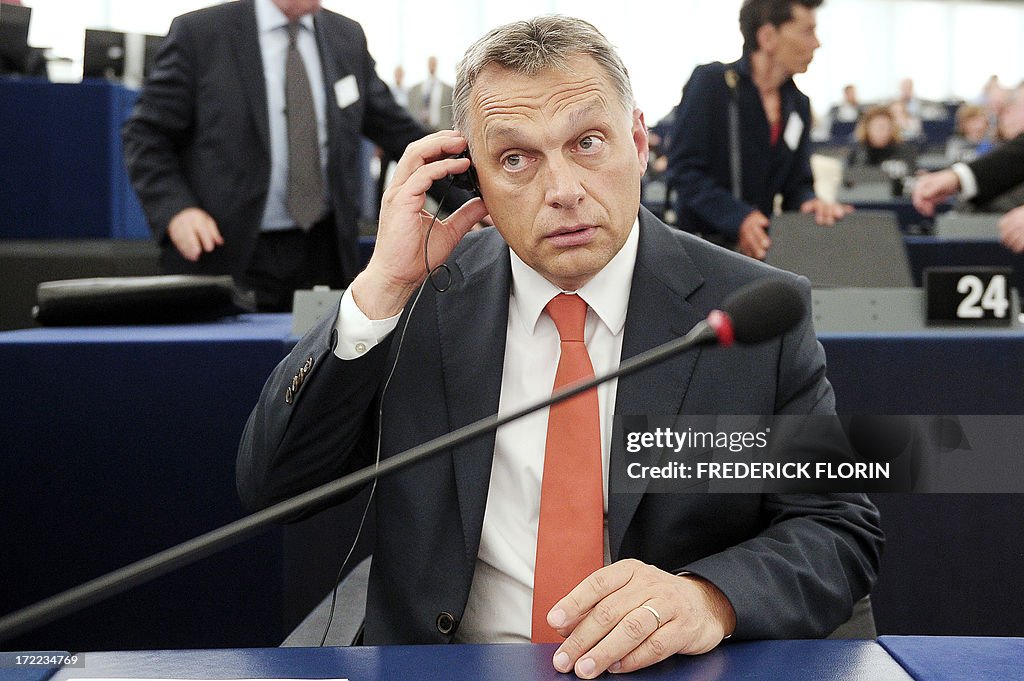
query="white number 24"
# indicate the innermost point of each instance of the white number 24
(980, 297)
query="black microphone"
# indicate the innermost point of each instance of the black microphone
(763, 309)
(756, 312)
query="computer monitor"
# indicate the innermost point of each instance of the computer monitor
(14, 50)
(104, 54)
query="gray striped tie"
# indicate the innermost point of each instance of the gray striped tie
(305, 178)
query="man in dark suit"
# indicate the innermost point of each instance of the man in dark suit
(546, 109)
(980, 181)
(208, 145)
(727, 175)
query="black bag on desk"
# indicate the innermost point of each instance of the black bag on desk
(168, 299)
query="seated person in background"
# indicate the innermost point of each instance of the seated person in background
(727, 193)
(909, 124)
(993, 97)
(879, 140)
(980, 181)
(847, 110)
(972, 137)
(472, 545)
(916, 108)
(1010, 121)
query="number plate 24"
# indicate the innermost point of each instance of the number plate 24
(968, 296)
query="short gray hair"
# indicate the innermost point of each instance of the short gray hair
(538, 44)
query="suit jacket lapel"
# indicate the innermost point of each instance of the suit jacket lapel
(658, 312)
(250, 67)
(474, 314)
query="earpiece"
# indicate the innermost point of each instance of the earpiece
(468, 179)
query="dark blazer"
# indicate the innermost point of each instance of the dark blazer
(199, 134)
(792, 565)
(999, 170)
(699, 160)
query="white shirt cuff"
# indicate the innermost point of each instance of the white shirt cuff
(358, 334)
(968, 185)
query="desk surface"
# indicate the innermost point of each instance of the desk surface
(952, 658)
(241, 328)
(762, 660)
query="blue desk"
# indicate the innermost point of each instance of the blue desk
(118, 442)
(61, 168)
(933, 372)
(763, 660)
(956, 658)
(952, 563)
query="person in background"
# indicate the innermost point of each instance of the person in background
(879, 139)
(849, 109)
(384, 161)
(916, 108)
(973, 136)
(908, 123)
(993, 97)
(1010, 122)
(244, 144)
(911, 103)
(730, 202)
(980, 181)
(398, 89)
(430, 101)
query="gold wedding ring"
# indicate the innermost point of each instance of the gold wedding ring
(653, 612)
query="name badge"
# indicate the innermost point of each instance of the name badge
(968, 296)
(346, 91)
(794, 128)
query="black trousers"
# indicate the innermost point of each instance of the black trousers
(288, 260)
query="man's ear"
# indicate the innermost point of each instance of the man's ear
(767, 38)
(641, 139)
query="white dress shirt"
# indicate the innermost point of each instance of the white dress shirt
(273, 34)
(968, 183)
(501, 599)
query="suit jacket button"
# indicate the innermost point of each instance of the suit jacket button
(446, 623)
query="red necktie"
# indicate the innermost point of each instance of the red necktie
(570, 534)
